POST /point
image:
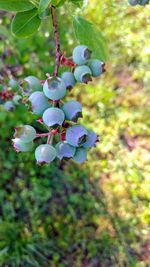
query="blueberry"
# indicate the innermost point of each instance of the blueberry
(21, 146)
(143, 2)
(80, 155)
(25, 133)
(65, 150)
(53, 117)
(9, 105)
(96, 66)
(133, 2)
(83, 74)
(76, 135)
(45, 153)
(39, 102)
(13, 84)
(72, 110)
(31, 84)
(69, 79)
(54, 88)
(91, 139)
(17, 99)
(81, 54)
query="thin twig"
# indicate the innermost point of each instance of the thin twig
(43, 134)
(57, 43)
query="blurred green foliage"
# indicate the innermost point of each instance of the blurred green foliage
(96, 214)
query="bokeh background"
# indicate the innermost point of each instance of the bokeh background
(96, 214)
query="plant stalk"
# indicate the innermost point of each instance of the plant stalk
(57, 42)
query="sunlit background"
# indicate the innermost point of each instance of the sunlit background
(96, 214)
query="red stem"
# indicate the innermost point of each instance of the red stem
(52, 132)
(43, 134)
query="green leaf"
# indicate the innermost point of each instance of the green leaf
(25, 23)
(87, 34)
(15, 5)
(77, 3)
(43, 5)
(58, 2)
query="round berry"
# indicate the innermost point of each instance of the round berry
(39, 102)
(13, 84)
(96, 66)
(81, 54)
(143, 2)
(69, 79)
(21, 146)
(9, 105)
(133, 2)
(80, 155)
(45, 153)
(54, 88)
(91, 139)
(31, 84)
(53, 117)
(64, 150)
(76, 135)
(25, 133)
(17, 99)
(83, 74)
(72, 110)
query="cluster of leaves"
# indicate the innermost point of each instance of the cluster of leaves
(30, 14)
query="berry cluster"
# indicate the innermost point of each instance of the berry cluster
(138, 2)
(65, 137)
(8, 96)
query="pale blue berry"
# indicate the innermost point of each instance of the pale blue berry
(96, 66)
(72, 110)
(133, 2)
(65, 150)
(9, 105)
(45, 153)
(53, 117)
(76, 135)
(54, 88)
(91, 139)
(143, 2)
(80, 155)
(25, 133)
(13, 84)
(83, 74)
(69, 79)
(31, 84)
(81, 54)
(21, 146)
(39, 102)
(17, 99)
